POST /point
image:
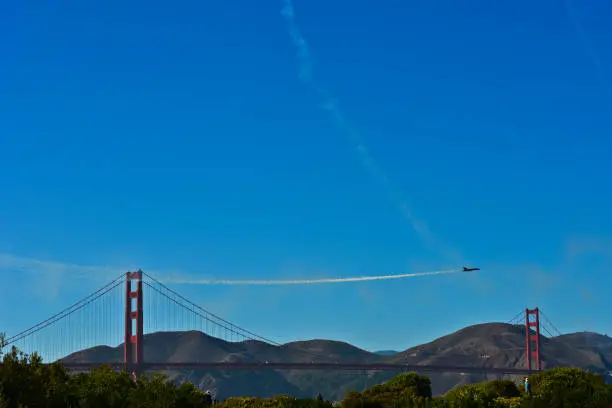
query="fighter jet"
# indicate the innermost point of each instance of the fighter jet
(466, 269)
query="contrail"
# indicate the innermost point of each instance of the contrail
(330, 105)
(303, 281)
(586, 42)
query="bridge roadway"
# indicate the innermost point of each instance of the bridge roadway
(304, 366)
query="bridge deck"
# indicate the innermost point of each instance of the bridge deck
(304, 366)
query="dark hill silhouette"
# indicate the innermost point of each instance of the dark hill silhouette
(482, 345)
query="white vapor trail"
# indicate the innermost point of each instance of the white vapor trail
(303, 281)
(330, 105)
(45, 267)
(52, 276)
(586, 42)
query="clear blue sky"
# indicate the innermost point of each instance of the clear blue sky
(179, 137)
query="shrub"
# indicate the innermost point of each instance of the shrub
(402, 390)
(487, 393)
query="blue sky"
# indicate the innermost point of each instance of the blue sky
(181, 138)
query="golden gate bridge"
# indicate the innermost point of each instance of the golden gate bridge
(115, 314)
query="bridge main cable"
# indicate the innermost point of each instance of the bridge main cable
(305, 366)
(66, 312)
(231, 326)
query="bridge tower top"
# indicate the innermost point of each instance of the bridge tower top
(133, 351)
(532, 337)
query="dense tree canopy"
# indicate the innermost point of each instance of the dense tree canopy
(26, 382)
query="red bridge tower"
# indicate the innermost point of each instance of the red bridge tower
(133, 350)
(533, 340)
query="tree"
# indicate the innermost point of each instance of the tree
(484, 393)
(22, 378)
(569, 387)
(187, 396)
(102, 387)
(405, 389)
(26, 382)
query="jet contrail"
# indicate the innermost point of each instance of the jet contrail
(330, 105)
(303, 281)
(590, 50)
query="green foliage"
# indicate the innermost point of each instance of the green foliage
(568, 387)
(280, 401)
(505, 402)
(26, 382)
(402, 390)
(490, 393)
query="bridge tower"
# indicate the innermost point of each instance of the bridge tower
(532, 323)
(133, 346)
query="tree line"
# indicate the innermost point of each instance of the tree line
(25, 382)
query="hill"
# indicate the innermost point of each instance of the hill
(483, 345)
(588, 340)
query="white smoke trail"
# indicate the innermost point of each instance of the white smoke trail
(51, 277)
(586, 42)
(330, 105)
(303, 281)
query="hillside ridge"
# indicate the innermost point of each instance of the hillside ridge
(480, 345)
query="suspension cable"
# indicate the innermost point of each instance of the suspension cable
(235, 329)
(255, 336)
(67, 311)
(557, 332)
(49, 322)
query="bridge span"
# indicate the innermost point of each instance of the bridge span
(146, 366)
(115, 314)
